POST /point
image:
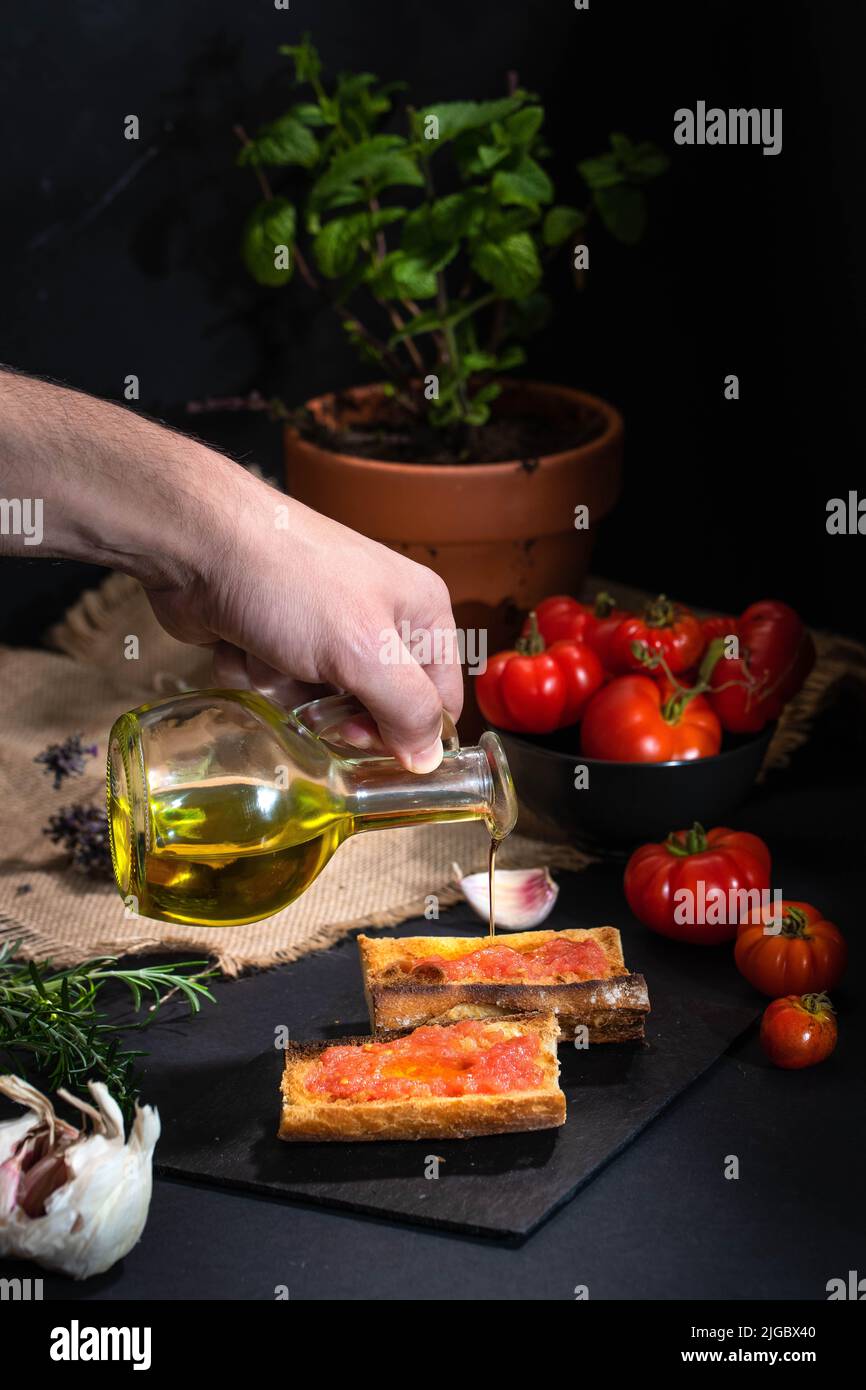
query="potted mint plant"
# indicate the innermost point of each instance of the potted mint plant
(430, 233)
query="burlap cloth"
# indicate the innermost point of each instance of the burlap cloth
(376, 879)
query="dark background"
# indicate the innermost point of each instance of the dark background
(120, 257)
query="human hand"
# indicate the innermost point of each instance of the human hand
(293, 602)
(289, 600)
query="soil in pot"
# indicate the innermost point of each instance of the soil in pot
(387, 430)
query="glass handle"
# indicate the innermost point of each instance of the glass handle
(322, 718)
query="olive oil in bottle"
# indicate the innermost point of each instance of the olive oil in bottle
(223, 808)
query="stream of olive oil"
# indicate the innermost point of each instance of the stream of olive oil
(491, 883)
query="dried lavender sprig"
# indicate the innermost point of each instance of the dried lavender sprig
(66, 759)
(83, 832)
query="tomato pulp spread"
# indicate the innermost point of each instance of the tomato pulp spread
(554, 960)
(469, 1058)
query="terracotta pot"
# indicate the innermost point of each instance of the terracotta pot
(501, 535)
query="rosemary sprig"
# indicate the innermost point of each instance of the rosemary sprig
(53, 1016)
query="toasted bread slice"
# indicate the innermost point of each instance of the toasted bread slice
(307, 1115)
(612, 1009)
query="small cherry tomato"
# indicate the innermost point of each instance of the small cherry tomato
(806, 955)
(799, 1030)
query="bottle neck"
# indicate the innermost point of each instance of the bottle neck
(382, 793)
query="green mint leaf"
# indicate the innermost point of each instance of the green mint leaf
(623, 211)
(511, 266)
(511, 357)
(500, 222)
(621, 146)
(488, 392)
(285, 141)
(444, 221)
(560, 224)
(306, 58)
(647, 161)
(475, 156)
(457, 117)
(383, 161)
(271, 225)
(310, 113)
(528, 316)
(336, 246)
(522, 128)
(402, 276)
(603, 172)
(527, 184)
(479, 361)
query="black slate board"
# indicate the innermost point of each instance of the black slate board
(223, 1131)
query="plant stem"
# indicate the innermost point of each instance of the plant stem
(264, 184)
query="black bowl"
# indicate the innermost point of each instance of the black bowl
(625, 804)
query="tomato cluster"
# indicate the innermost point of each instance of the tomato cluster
(655, 686)
(787, 950)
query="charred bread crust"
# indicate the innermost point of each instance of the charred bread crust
(613, 1009)
(304, 1117)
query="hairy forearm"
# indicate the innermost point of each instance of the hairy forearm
(86, 480)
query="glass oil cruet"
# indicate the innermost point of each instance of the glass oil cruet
(223, 807)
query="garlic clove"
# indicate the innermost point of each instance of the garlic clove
(523, 897)
(73, 1200)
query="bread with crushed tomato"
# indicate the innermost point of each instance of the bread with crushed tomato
(308, 1116)
(612, 1009)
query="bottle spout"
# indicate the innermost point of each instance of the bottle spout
(502, 815)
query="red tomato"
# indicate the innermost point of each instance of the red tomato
(534, 691)
(635, 720)
(807, 956)
(799, 1030)
(776, 655)
(665, 630)
(718, 627)
(561, 617)
(603, 634)
(583, 673)
(489, 694)
(692, 874)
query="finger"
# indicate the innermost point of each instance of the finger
(282, 689)
(431, 619)
(444, 670)
(361, 732)
(237, 670)
(230, 667)
(406, 706)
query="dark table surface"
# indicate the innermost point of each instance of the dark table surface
(661, 1220)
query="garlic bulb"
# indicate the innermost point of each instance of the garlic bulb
(71, 1200)
(523, 897)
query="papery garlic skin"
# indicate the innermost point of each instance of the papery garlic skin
(99, 1212)
(524, 897)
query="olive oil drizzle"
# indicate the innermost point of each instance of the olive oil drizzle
(491, 881)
